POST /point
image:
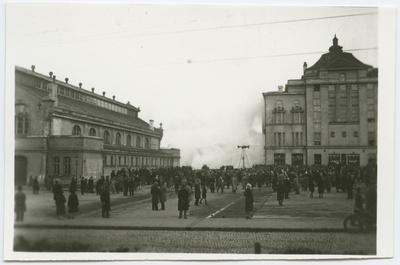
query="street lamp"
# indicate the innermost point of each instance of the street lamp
(76, 165)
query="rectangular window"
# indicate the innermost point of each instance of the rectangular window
(344, 134)
(105, 160)
(355, 134)
(316, 88)
(125, 160)
(317, 138)
(119, 161)
(61, 91)
(317, 159)
(112, 160)
(317, 102)
(317, 116)
(371, 139)
(332, 134)
(67, 92)
(279, 159)
(56, 165)
(370, 101)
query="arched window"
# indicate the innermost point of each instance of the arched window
(21, 120)
(128, 140)
(138, 142)
(342, 78)
(92, 132)
(118, 139)
(147, 143)
(76, 130)
(278, 104)
(296, 103)
(56, 165)
(67, 165)
(107, 137)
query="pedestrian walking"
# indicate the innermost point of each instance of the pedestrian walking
(35, 186)
(163, 195)
(286, 183)
(311, 185)
(155, 193)
(204, 194)
(131, 186)
(72, 204)
(183, 201)
(20, 206)
(248, 204)
(83, 186)
(105, 201)
(359, 200)
(296, 185)
(90, 185)
(280, 191)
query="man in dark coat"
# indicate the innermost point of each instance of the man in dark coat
(183, 201)
(35, 186)
(57, 190)
(83, 185)
(286, 183)
(280, 192)
(155, 193)
(197, 193)
(20, 206)
(131, 185)
(126, 186)
(105, 202)
(90, 185)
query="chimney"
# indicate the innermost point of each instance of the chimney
(104, 94)
(80, 85)
(160, 125)
(66, 80)
(92, 89)
(304, 67)
(280, 89)
(33, 68)
(54, 78)
(129, 103)
(151, 125)
(51, 74)
(113, 97)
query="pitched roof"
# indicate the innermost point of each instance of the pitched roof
(337, 59)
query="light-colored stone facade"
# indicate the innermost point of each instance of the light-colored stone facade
(62, 130)
(327, 116)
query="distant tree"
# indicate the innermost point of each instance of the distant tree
(205, 167)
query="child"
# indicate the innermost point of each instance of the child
(203, 194)
(72, 204)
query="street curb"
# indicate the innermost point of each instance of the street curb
(188, 228)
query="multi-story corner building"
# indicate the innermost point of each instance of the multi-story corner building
(62, 130)
(327, 116)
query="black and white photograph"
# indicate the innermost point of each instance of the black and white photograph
(141, 131)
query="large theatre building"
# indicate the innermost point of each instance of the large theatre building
(62, 130)
(327, 116)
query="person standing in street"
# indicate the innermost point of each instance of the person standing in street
(204, 194)
(183, 201)
(20, 206)
(163, 195)
(105, 201)
(72, 204)
(197, 192)
(235, 184)
(248, 205)
(35, 186)
(155, 193)
(60, 204)
(286, 183)
(280, 191)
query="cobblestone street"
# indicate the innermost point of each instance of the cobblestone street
(202, 241)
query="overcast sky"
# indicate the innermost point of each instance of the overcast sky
(200, 70)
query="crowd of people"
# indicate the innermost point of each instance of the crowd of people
(186, 181)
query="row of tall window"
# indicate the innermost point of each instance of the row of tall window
(279, 139)
(136, 161)
(21, 119)
(279, 113)
(66, 165)
(343, 103)
(344, 134)
(76, 130)
(64, 91)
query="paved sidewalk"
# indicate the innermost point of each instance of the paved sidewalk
(299, 213)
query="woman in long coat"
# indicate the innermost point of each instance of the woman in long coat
(163, 195)
(280, 192)
(234, 184)
(248, 204)
(72, 204)
(105, 201)
(311, 185)
(183, 201)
